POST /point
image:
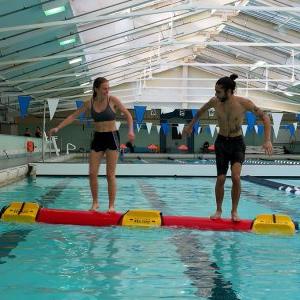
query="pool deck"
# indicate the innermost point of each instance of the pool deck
(255, 165)
(211, 156)
(162, 165)
(6, 163)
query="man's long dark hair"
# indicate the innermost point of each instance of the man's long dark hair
(228, 83)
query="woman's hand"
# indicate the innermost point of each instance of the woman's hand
(131, 136)
(53, 131)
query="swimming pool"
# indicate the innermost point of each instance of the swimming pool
(44, 261)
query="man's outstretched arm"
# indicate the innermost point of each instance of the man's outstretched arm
(189, 128)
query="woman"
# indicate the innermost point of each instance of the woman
(102, 108)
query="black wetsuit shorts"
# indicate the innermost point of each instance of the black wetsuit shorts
(229, 149)
(105, 140)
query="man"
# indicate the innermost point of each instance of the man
(229, 145)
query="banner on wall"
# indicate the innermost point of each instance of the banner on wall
(277, 117)
(244, 129)
(196, 127)
(199, 130)
(251, 120)
(139, 112)
(260, 130)
(149, 126)
(194, 111)
(197, 124)
(52, 105)
(212, 128)
(24, 104)
(158, 128)
(295, 125)
(291, 129)
(79, 104)
(165, 126)
(180, 128)
(298, 117)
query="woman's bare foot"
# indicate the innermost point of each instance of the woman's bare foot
(95, 206)
(217, 215)
(111, 210)
(235, 217)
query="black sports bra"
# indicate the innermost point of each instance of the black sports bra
(106, 115)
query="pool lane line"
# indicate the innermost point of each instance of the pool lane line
(273, 184)
(9, 240)
(274, 206)
(199, 268)
(51, 196)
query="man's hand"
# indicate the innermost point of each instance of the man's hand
(268, 147)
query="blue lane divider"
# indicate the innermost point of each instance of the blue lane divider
(273, 184)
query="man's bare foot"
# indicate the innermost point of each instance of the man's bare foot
(217, 215)
(235, 217)
(111, 210)
(95, 206)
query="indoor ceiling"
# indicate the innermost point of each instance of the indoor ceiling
(59, 55)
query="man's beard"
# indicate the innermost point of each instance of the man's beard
(223, 99)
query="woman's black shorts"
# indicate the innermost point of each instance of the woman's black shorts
(105, 140)
(229, 149)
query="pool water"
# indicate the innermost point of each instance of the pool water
(43, 261)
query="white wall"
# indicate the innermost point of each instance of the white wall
(170, 93)
(16, 145)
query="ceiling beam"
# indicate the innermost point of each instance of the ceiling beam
(188, 7)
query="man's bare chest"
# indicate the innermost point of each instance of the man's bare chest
(230, 112)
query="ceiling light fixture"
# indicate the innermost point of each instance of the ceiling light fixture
(54, 7)
(68, 41)
(75, 60)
